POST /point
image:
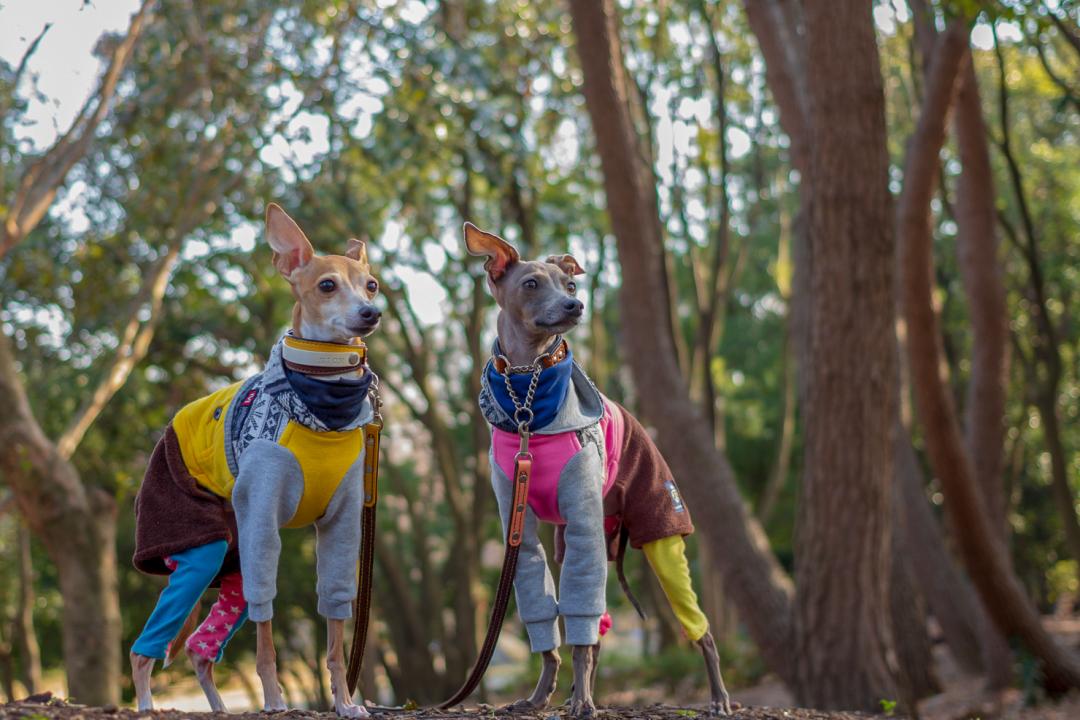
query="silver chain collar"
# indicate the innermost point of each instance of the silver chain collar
(523, 413)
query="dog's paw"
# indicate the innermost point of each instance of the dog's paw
(582, 709)
(519, 706)
(351, 711)
(721, 708)
(275, 705)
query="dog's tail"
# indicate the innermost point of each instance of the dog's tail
(624, 536)
(181, 637)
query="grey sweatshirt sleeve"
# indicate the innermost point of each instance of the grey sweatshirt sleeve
(266, 495)
(583, 580)
(337, 545)
(533, 584)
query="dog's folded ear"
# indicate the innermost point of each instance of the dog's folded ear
(357, 250)
(291, 247)
(501, 254)
(566, 263)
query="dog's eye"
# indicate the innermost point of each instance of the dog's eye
(571, 287)
(372, 286)
(531, 284)
(327, 286)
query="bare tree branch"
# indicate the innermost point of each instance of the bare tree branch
(43, 178)
(16, 80)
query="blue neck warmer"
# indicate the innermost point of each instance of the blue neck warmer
(551, 390)
(335, 403)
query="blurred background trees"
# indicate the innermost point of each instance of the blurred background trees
(730, 183)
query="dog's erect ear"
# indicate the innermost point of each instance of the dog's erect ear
(291, 247)
(501, 254)
(357, 251)
(566, 263)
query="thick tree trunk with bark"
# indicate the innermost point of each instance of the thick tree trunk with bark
(844, 647)
(84, 552)
(916, 678)
(77, 527)
(752, 576)
(977, 536)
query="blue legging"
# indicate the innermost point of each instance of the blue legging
(195, 569)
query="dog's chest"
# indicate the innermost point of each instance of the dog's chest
(552, 453)
(216, 431)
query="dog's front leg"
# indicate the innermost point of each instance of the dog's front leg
(720, 703)
(581, 701)
(335, 663)
(266, 668)
(545, 686)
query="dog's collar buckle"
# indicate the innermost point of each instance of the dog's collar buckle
(548, 359)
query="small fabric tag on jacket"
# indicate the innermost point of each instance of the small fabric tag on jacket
(676, 498)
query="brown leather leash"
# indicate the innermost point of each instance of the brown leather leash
(523, 416)
(362, 604)
(514, 530)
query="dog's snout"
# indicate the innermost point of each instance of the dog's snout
(369, 314)
(574, 306)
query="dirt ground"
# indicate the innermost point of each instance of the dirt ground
(973, 707)
(52, 709)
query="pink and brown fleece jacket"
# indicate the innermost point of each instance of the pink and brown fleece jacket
(596, 472)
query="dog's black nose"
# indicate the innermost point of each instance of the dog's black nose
(574, 306)
(369, 314)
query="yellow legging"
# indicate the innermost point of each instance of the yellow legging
(667, 556)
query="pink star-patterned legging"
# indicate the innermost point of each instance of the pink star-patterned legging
(227, 614)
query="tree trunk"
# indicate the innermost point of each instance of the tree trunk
(982, 276)
(752, 575)
(978, 539)
(984, 285)
(916, 678)
(78, 528)
(953, 602)
(24, 639)
(844, 650)
(1064, 499)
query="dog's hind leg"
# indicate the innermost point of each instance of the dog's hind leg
(667, 557)
(204, 671)
(720, 703)
(545, 686)
(141, 669)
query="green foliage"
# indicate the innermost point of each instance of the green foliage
(396, 122)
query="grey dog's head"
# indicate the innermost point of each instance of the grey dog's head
(538, 295)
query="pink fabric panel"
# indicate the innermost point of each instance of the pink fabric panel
(550, 455)
(614, 429)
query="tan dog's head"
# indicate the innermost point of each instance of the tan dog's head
(333, 293)
(538, 296)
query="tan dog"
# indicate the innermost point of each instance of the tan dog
(284, 447)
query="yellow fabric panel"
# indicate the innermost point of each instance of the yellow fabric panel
(324, 457)
(667, 557)
(200, 428)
